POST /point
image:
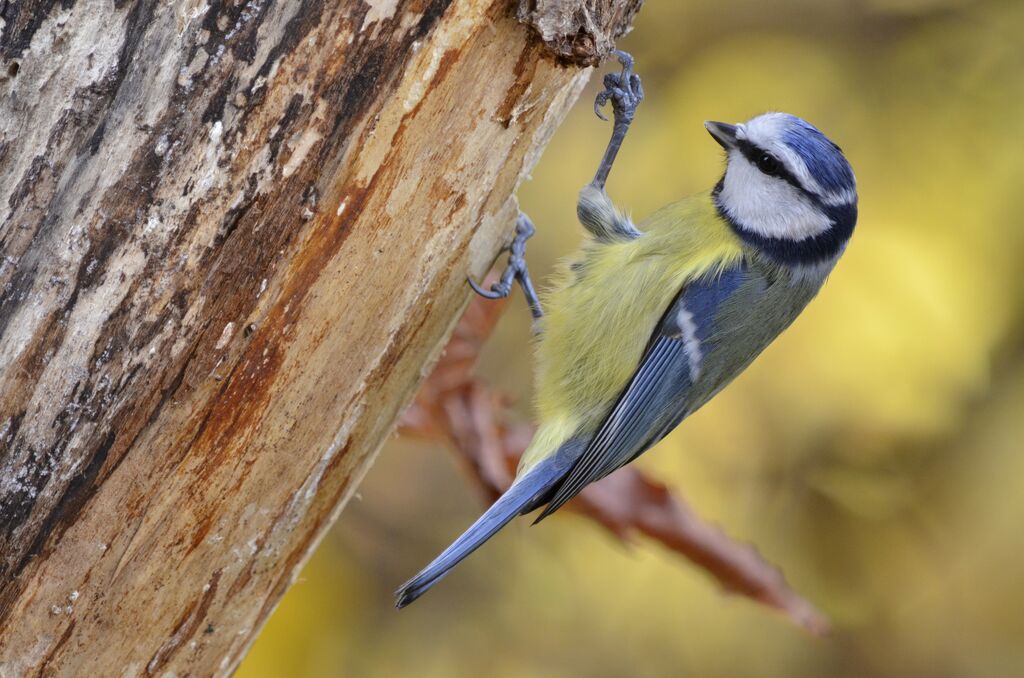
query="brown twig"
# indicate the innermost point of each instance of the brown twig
(454, 406)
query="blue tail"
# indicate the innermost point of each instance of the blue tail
(524, 495)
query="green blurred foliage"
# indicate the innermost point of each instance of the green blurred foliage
(875, 451)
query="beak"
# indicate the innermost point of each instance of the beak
(723, 132)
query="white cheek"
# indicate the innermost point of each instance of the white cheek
(768, 206)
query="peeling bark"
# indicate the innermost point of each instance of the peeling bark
(233, 236)
(579, 32)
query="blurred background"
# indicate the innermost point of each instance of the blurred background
(875, 452)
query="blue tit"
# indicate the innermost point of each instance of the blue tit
(648, 322)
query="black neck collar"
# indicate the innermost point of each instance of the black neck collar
(807, 252)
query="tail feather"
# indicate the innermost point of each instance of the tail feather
(522, 496)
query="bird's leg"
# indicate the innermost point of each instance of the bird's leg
(625, 92)
(516, 270)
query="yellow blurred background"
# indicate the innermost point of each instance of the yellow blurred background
(875, 452)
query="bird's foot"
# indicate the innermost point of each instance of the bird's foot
(516, 270)
(625, 92)
(623, 89)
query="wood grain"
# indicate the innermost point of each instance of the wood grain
(233, 236)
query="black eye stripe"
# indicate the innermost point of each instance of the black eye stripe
(752, 153)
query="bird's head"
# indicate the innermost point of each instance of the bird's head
(787, 189)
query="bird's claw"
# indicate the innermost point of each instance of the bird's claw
(515, 271)
(497, 291)
(524, 230)
(623, 89)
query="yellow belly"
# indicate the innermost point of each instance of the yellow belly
(603, 307)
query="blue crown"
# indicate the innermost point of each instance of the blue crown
(824, 160)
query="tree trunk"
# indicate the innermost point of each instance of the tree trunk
(233, 236)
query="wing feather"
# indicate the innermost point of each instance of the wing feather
(655, 400)
(637, 413)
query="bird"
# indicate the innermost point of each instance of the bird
(649, 321)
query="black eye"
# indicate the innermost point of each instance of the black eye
(767, 163)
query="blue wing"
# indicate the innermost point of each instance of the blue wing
(655, 401)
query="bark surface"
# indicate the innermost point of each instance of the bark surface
(581, 32)
(233, 236)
